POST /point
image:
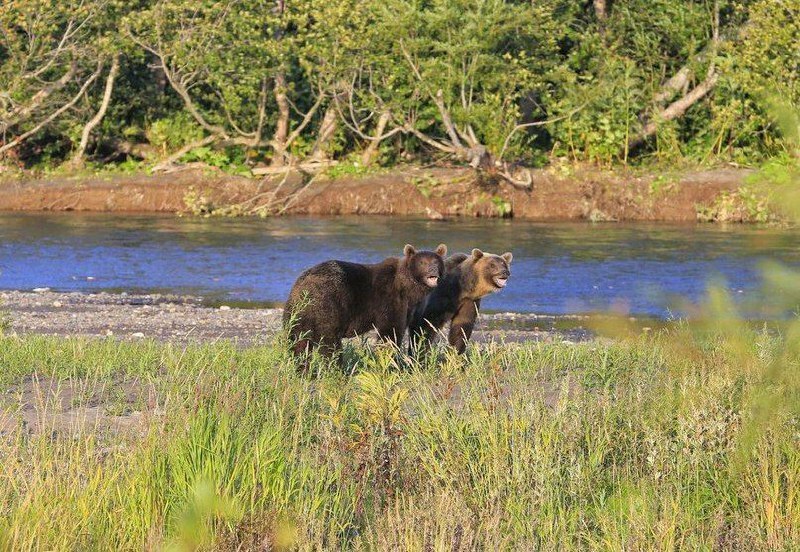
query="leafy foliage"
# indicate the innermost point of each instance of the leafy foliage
(481, 81)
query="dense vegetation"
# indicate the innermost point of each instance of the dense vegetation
(234, 83)
(668, 442)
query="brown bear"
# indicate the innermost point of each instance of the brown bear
(337, 299)
(457, 298)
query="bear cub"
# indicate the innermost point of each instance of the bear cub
(338, 299)
(457, 298)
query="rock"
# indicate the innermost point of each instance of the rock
(109, 333)
(41, 290)
(224, 307)
(137, 334)
(57, 304)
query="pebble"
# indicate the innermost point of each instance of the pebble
(224, 307)
(57, 304)
(137, 334)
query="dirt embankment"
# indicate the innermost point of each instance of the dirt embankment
(435, 193)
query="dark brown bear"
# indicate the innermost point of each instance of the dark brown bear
(457, 298)
(337, 299)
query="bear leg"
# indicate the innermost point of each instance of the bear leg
(462, 325)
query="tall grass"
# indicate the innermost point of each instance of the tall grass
(682, 439)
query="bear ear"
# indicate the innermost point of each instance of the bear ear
(477, 254)
(441, 250)
(507, 256)
(409, 250)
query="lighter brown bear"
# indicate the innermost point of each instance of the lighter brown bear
(457, 298)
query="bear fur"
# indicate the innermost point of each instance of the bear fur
(457, 298)
(338, 299)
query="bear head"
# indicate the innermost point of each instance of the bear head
(425, 267)
(491, 272)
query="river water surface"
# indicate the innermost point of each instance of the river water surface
(558, 268)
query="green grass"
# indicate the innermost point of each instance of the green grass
(672, 441)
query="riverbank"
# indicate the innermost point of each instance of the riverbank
(575, 194)
(185, 319)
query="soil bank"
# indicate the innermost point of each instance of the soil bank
(434, 193)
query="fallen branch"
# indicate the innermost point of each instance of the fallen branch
(293, 197)
(169, 163)
(311, 166)
(524, 184)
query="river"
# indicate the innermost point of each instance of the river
(558, 268)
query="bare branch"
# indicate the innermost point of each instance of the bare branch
(178, 83)
(22, 112)
(262, 112)
(307, 119)
(679, 80)
(57, 113)
(77, 159)
(371, 152)
(536, 124)
(438, 100)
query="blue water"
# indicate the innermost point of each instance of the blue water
(558, 268)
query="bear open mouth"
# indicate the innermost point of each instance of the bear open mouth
(500, 281)
(432, 281)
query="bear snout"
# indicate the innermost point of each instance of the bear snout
(500, 280)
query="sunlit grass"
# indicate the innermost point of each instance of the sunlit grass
(685, 439)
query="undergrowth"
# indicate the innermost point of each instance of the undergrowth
(686, 439)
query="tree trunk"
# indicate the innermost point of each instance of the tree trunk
(282, 127)
(371, 153)
(77, 159)
(677, 82)
(326, 132)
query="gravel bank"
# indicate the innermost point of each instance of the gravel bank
(183, 319)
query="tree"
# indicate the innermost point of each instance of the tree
(219, 58)
(48, 62)
(454, 74)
